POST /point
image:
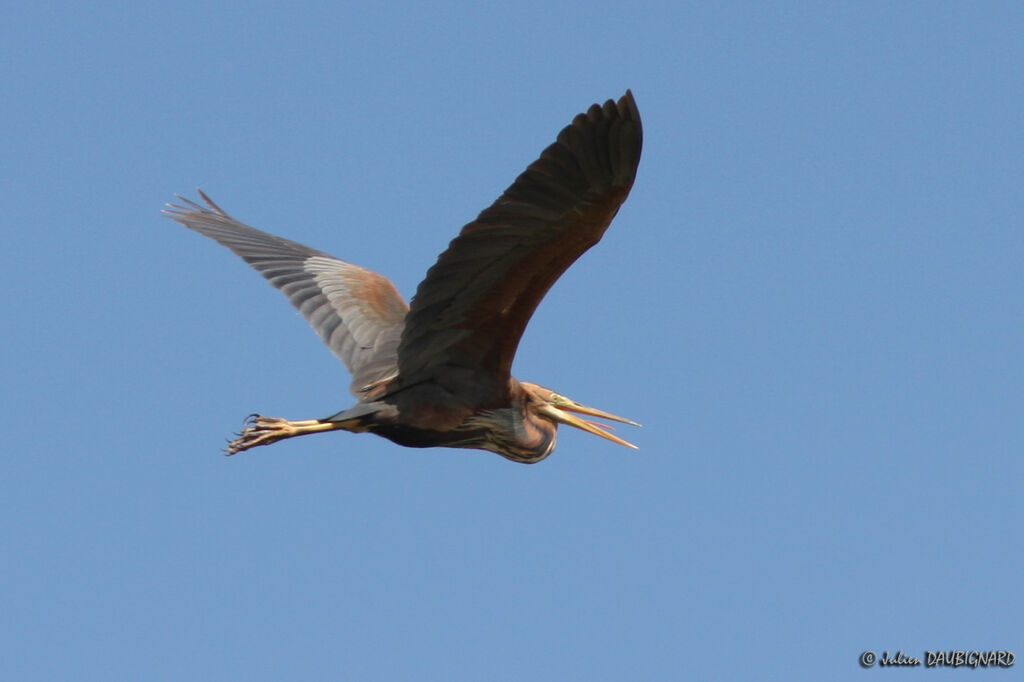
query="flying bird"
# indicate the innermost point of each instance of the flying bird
(438, 372)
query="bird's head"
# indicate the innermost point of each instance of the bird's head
(545, 403)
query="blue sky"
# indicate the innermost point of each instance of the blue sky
(812, 300)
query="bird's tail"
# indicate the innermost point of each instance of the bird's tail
(359, 417)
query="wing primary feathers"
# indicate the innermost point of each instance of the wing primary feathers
(357, 313)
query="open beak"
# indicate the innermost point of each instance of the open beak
(559, 407)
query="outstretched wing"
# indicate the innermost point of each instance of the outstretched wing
(357, 313)
(469, 313)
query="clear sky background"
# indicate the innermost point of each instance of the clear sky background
(812, 300)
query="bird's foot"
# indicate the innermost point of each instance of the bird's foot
(260, 430)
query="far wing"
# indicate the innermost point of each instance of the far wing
(469, 313)
(357, 313)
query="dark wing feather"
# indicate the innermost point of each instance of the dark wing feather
(469, 313)
(358, 313)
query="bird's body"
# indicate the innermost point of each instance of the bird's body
(437, 373)
(427, 416)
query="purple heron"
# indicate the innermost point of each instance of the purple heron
(438, 372)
